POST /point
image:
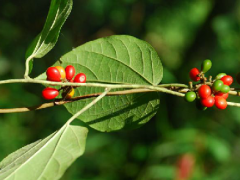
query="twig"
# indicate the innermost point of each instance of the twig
(58, 102)
(88, 106)
(174, 89)
(233, 104)
(112, 86)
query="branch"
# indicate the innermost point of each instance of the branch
(174, 89)
(58, 102)
(112, 86)
(88, 106)
(233, 104)
(26, 74)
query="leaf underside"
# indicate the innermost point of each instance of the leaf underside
(46, 40)
(45, 159)
(116, 59)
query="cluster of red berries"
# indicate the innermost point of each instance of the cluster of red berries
(212, 92)
(59, 74)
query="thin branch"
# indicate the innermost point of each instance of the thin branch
(58, 102)
(234, 93)
(174, 89)
(173, 85)
(233, 104)
(26, 74)
(88, 106)
(112, 86)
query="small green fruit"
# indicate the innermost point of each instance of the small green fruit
(206, 65)
(190, 96)
(217, 85)
(220, 75)
(225, 89)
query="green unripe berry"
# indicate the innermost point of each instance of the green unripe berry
(225, 89)
(220, 75)
(206, 65)
(190, 96)
(217, 85)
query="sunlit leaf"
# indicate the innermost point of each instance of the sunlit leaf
(116, 59)
(46, 40)
(48, 158)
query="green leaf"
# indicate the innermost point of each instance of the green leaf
(48, 158)
(46, 40)
(116, 59)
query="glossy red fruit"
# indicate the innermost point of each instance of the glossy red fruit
(49, 93)
(220, 94)
(227, 80)
(53, 74)
(62, 71)
(80, 78)
(204, 91)
(208, 102)
(70, 72)
(220, 103)
(194, 72)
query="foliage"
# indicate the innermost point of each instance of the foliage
(183, 33)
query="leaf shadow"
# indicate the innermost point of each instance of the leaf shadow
(130, 122)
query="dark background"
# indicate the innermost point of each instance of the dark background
(184, 32)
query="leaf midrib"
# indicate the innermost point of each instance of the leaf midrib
(64, 127)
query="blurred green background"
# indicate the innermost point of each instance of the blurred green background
(184, 32)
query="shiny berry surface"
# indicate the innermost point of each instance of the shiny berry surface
(208, 102)
(62, 71)
(225, 89)
(217, 85)
(227, 80)
(220, 94)
(194, 72)
(80, 78)
(53, 74)
(206, 65)
(220, 102)
(204, 91)
(70, 72)
(50, 93)
(220, 75)
(190, 96)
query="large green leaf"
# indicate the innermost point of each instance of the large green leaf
(116, 59)
(47, 158)
(46, 40)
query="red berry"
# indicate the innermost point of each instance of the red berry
(204, 91)
(208, 102)
(194, 72)
(61, 71)
(227, 80)
(70, 72)
(80, 78)
(220, 103)
(49, 93)
(53, 74)
(220, 94)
